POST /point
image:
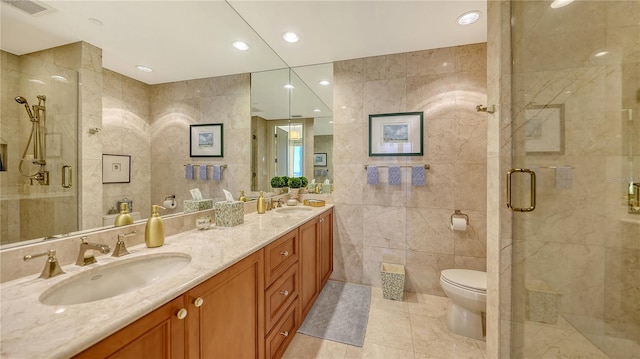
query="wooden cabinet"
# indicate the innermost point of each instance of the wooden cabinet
(316, 258)
(226, 313)
(250, 310)
(159, 334)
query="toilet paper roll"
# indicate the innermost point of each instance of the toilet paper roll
(458, 224)
(169, 204)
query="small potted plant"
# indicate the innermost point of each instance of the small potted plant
(295, 184)
(305, 183)
(285, 187)
(277, 183)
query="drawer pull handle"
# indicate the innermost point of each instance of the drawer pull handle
(284, 334)
(285, 293)
(285, 253)
(198, 302)
(182, 313)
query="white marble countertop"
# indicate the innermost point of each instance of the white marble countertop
(30, 329)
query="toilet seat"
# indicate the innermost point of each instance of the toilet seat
(467, 279)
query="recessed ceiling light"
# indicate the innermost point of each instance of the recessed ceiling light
(317, 110)
(36, 81)
(290, 37)
(95, 21)
(600, 53)
(330, 121)
(144, 68)
(289, 86)
(324, 83)
(469, 17)
(560, 3)
(241, 45)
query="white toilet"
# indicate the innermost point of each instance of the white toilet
(467, 290)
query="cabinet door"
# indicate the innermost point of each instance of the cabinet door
(159, 334)
(226, 313)
(325, 227)
(309, 274)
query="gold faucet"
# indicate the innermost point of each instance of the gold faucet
(121, 248)
(85, 246)
(51, 266)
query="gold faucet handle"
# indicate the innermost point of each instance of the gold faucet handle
(51, 267)
(121, 249)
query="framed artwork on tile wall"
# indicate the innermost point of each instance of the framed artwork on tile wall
(320, 159)
(544, 129)
(396, 134)
(206, 140)
(116, 169)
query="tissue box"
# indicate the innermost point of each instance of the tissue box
(192, 205)
(229, 214)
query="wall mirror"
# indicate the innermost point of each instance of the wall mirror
(292, 111)
(292, 120)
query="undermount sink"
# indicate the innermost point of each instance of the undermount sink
(115, 278)
(293, 209)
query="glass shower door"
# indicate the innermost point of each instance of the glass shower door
(575, 108)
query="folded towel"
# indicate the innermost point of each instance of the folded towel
(203, 172)
(394, 175)
(418, 177)
(217, 173)
(372, 175)
(188, 172)
(563, 177)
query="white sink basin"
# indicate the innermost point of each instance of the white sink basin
(114, 279)
(293, 209)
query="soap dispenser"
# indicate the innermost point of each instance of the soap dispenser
(124, 217)
(154, 231)
(262, 204)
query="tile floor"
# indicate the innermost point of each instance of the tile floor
(415, 328)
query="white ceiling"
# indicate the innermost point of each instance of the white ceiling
(183, 40)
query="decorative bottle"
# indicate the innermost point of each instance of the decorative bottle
(124, 218)
(154, 230)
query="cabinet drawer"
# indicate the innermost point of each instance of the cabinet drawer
(282, 334)
(280, 295)
(279, 255)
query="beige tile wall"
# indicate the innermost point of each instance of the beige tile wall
(126, 118)
(405, 224)
(175, 106)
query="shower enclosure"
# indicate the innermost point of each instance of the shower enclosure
(575, 110)
(38, 149)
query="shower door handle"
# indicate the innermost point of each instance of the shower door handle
(67, 182)
(532, 191)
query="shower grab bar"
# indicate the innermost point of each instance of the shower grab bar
(65, 183)
(532, 191)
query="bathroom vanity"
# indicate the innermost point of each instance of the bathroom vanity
(244, 294)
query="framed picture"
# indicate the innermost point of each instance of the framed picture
(544, 129)
(320, 159)
(396, 134)
(116, 169)
(206, 140)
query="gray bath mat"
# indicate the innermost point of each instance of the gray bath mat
(340, 313)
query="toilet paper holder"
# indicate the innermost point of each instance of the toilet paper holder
(458, 213)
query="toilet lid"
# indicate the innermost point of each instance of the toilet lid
(466, 278)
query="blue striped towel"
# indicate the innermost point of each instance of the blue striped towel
(217, 173)
(203, 172)
(418, 177)
(394, 175)
(372, 175)
(188, 172)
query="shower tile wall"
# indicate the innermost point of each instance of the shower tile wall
(405, 224)
(576, 240)
(126, 117)
(29, 76)
(175, 106)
